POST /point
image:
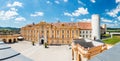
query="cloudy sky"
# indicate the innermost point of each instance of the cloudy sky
(18, 13)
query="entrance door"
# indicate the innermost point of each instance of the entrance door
(42, 41)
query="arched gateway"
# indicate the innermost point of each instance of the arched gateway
(42, 40)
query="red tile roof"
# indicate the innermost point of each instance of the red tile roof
(81, 25)
(66, 24)
(84, 25)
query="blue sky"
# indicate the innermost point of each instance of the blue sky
(18, 13)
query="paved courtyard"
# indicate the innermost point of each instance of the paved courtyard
(39, 53)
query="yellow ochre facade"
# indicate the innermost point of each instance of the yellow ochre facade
(56, 33)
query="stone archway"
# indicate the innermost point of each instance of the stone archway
(14, 40)
(10, 40)
(42, 41)
(4, 40)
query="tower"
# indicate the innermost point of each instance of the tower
(96, 26)
(105, 28)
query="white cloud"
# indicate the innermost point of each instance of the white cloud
(93, 1)
(57, 19)
(7, 15)
(57, 2)
(118, 18)
(16, 22)
(84, 20)
(87, 20)
(114, 12)
(81, 3)
(65, 0)
(115, 21)
(72, 19)
(67, 14)
(37, 14)
(78, 12)
(20, 19)
(106, 20)
(11, 13)
(117, 1)
(16, 3)
(112, 25)
(13, 9)
(48, 2)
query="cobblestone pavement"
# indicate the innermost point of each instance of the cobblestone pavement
(39, 53)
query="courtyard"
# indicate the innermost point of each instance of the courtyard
(39, 53)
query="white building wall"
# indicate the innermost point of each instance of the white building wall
(96, 26)
(85, 34)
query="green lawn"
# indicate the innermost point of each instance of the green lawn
(113, 40)
(113, 30)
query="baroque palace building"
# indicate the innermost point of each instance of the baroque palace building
(63, 32)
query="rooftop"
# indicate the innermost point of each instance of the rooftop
(86, 43)
(81, 25)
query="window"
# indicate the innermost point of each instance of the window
(83, 31)
(80, 35)
(80, 32)
(72, 31)
(86, 31)
(67, 31)
(83, 36)
(86, 36)
(90, 31)
(62, 31)
(57, 31)
(62, 36)
(67, 36)
(47, 31)
(90, 35)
